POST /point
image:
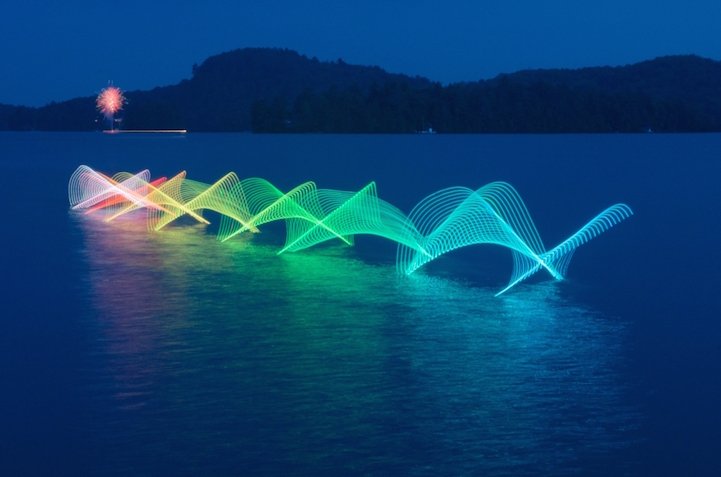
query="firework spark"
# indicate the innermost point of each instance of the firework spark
(110, 100)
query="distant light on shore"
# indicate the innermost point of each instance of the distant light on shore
(146, 131)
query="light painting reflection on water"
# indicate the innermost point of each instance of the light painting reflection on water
(320, 360)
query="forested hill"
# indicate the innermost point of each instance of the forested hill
(668, 94)
(689, 78)
(278, 90)
(223, 88)
(218, 97)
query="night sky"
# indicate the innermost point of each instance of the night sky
(61, 50)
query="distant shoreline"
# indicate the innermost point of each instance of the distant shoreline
(270, 90)
(145, 131)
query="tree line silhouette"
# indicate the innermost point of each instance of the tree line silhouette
(478, 108)
(280, 91)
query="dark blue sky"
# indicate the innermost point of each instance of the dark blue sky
(60, 50)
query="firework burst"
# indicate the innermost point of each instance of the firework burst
(109, 101)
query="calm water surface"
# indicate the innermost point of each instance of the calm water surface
(127, 352)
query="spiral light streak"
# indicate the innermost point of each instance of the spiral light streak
(123, 193)
(444, 221)
(119, 200)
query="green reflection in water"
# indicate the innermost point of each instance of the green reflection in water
(320, 361)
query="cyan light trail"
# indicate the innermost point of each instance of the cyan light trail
(446, 220)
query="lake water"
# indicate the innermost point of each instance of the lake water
(124, 352)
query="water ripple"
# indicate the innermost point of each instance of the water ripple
(219, 359)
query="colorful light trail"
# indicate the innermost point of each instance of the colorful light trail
(444, 221)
